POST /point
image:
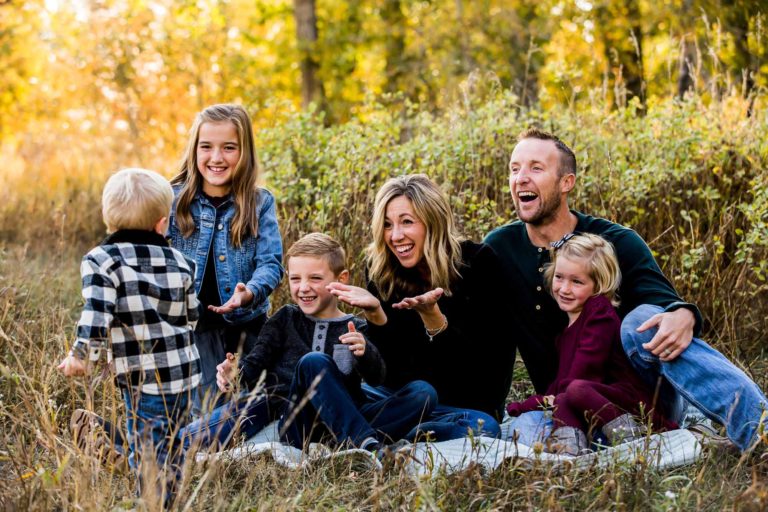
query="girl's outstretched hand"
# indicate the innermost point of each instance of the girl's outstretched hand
(424, 303)
(242, 297)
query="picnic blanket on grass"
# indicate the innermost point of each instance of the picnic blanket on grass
(660, 451)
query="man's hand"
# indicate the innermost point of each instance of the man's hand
(72, 367)
(226, 373)
(355, 340)
(242, 297)
(674, 335)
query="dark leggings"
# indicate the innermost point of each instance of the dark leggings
(586, 404)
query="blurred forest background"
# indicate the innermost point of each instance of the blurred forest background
(91, 85)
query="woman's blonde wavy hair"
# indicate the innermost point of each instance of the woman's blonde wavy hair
(442, 249)
(245, 190)
(599, 258)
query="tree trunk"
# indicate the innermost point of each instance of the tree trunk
(623, 38)
(687, 63)
(394, 46)
(687, 66)
(306, 36)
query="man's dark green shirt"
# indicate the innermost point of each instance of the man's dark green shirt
(538, 320)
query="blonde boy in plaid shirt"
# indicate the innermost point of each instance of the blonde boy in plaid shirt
(140, 305)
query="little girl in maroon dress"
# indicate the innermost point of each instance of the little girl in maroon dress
(596, 387)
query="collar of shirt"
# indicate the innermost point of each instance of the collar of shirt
(135, 236)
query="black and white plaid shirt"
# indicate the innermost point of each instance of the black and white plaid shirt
(140, 294)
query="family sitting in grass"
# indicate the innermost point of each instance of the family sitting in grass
(442, 319)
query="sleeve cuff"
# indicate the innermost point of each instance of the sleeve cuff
(258, 297)
(86, 350)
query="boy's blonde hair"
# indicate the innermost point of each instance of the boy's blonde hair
(442, 246)
(322, 246)
(135, 199)
(599, 257)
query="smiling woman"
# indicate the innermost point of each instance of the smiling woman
(433, 310)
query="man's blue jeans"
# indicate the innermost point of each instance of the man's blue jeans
(702, 376)
(153, 423)
(445, 422)
(347, 419)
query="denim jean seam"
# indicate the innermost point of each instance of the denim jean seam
(685, 394)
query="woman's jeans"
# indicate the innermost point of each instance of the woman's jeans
(529, 428)
(700, 375)
(445, 422)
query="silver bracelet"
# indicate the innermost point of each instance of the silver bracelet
(431, 333)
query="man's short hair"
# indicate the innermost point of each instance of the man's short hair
(567, 156)
(135, 199)
(320, 245)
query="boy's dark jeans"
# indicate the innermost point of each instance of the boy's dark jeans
(331, 410)
(245, 415)
(153, 423)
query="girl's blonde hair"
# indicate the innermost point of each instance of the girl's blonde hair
(135, 199)
(599, 258)
(245, 190)
(442, 249)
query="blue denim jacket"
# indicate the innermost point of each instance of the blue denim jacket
(257, 262)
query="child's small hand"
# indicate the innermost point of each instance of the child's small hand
(72, 367)
(242, 297)
(226, 373)
(549, 400)
(354, 339)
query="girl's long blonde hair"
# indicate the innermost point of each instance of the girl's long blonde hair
(599, 258)
(442, 249)
(245, 190)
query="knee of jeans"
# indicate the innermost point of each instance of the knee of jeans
(314, 362)
(631, 339)
(422, 392)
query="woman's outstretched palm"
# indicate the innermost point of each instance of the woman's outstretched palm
(423, 303)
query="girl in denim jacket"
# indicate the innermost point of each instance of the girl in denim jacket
(227, 225)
